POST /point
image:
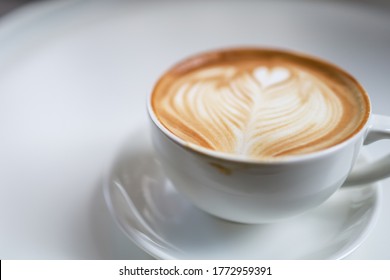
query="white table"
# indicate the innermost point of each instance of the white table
(73, 80)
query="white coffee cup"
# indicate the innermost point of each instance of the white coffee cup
(258, 191)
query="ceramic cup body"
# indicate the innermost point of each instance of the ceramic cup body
(250, 192)
(256, 191)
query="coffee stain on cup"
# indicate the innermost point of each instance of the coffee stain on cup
(222, 169)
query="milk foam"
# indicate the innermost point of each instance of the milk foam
(257, 109)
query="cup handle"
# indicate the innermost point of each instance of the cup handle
(379, 129)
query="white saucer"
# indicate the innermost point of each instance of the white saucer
(152, 214)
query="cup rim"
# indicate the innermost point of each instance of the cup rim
(217, 155)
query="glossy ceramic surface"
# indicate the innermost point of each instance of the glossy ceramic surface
(149, 210)
(74, 76)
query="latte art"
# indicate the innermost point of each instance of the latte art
(257, 108)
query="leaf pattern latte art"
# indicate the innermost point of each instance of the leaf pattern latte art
(256, 111)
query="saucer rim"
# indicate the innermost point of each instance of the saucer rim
(131, 233)
(372, 221)
(160, 254)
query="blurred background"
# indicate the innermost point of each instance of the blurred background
(9, 5)
(74, 75)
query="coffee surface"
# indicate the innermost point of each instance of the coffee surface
(259, 103)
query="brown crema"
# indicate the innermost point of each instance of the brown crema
(259, 103)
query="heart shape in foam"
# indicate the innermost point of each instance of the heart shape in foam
(269, 77)
(241, 117)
